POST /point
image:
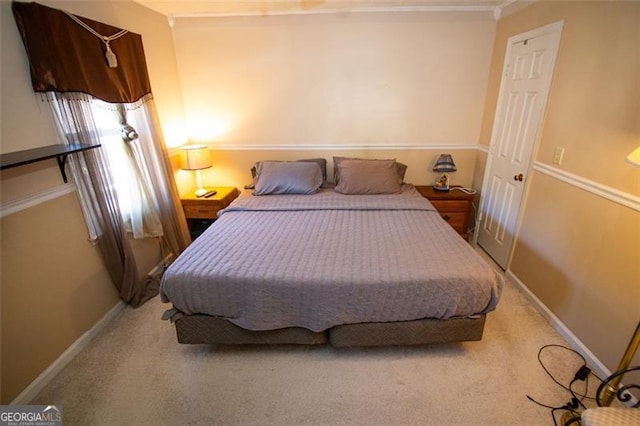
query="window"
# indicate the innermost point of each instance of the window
(137, 207)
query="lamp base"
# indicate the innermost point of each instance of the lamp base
(442, 184)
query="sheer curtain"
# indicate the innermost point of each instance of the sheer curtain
(154, 169)
(76, 124)
(154, 209)
(67, 63)
(141, 212)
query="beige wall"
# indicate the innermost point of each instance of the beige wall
(370, 84)
(367, 85)
(232, 167)
(366, 79)
(54, 286)
(580, 255)
(576, 251)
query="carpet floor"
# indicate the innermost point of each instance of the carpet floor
(135, 373)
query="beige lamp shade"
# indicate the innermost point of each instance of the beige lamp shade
(634, 157)
(195, 157)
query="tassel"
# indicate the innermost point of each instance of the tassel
(111, 57)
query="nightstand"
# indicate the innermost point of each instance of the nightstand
(202, 212)
(454, 206)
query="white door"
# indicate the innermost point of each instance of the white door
(526, 80)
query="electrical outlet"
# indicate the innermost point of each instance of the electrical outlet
(557, 155)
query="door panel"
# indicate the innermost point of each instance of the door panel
(524, 88)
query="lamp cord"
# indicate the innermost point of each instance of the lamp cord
(576, 402)
(584, 365)
(469, 191)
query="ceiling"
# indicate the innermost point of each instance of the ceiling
(188, 8)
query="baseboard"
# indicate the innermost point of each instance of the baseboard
(161, 266)
(30, 392)
(593, 362)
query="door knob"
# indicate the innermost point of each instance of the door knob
(518, 177)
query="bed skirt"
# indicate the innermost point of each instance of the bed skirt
(205, 329)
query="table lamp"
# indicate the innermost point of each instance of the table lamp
(634, 157)
(196, 157)
(444, 164)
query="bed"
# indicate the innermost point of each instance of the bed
(330, 267)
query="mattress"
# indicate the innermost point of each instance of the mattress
(328, 259)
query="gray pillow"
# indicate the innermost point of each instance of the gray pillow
(359, 177)
(287, 177)
(402, 168)
(322, 163)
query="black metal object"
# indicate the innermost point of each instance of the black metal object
(59, 152)
(625, 393)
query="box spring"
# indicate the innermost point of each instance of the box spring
(205, 329)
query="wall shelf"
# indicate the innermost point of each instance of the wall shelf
(59, 152)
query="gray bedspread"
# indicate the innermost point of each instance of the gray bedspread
(316, 261)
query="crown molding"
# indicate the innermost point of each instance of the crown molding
(507, 7)
(498, 10)
(387, 9)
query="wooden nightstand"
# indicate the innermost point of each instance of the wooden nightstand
(454, 206)
(202, 212)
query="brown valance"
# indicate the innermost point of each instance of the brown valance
(65, 57)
